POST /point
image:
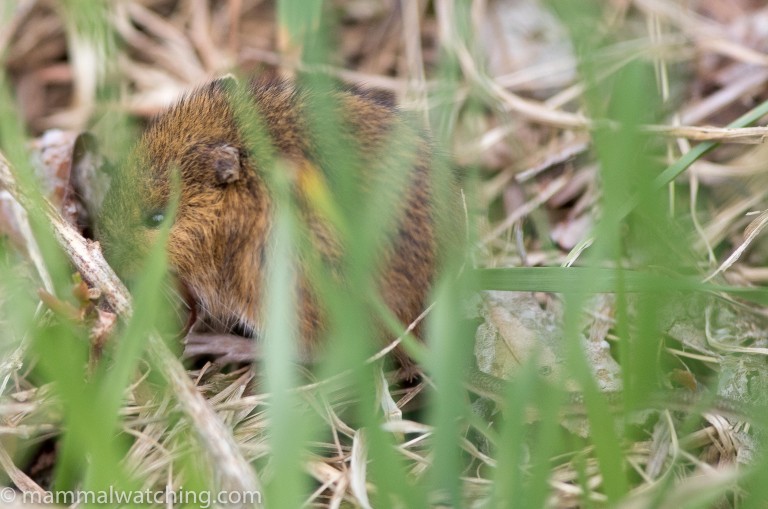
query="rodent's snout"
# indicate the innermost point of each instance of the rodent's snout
(118, 254)
(125, 247)
(127, 228)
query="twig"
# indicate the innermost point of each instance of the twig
(235, 8)
(748, 82)
(750, 135)
(7, 32)
(19, 478)
(547, 193)
(200, 34)
(413, 53)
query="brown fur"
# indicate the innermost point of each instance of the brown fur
(220, 234)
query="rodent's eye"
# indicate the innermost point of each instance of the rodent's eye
(154, 219)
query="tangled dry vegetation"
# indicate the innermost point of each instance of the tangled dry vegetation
(537, 200)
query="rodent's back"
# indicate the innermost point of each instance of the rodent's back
(219, 239)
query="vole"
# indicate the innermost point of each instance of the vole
(219, 239)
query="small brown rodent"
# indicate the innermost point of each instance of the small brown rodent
(219, 238)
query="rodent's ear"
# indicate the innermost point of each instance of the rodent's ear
(226, 163)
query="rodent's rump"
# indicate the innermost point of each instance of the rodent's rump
(219, 238)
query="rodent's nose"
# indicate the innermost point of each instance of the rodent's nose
(118, 256)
